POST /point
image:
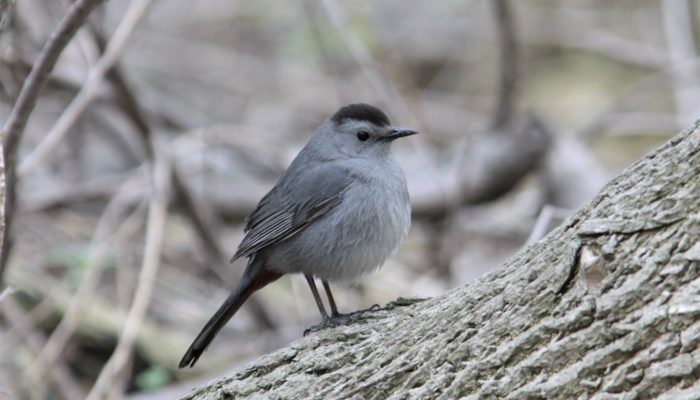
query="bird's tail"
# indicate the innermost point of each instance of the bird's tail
(255, 277)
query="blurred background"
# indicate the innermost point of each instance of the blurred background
(164, 122)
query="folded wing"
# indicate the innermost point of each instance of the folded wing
(286, 210)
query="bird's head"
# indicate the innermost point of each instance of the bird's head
(362, 130)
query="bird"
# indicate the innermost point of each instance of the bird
(337, 213)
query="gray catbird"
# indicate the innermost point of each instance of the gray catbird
(337, 213)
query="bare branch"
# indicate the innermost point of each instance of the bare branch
(630, 98)
(544, 222)
(125, 97)
(157, 216)
(5, 209)
(384, 88)
(7, 291)
(574, 30)
(14, 126)
(89, 90)
(680, 40)
(194, 210)
(60, 376)
(102, 240)
(507, 89)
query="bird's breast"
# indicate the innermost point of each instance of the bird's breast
(369, 224)
(358, 235)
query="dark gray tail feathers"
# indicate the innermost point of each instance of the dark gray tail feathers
(255, 277)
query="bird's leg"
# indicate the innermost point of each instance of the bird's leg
(331, 301)
(314, 291)
(343, 318)
(336, 318)
(326, 321)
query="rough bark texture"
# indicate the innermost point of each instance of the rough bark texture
(606, 306)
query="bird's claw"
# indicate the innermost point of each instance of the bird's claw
(339, 319)
(326, 322)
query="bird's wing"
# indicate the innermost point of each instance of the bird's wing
(288, 208)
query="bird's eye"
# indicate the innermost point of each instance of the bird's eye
(362, 135)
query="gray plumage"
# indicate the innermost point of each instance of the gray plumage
(337, 213)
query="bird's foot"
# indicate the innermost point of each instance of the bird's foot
(339, 319)
(357, 313)
(326, 322)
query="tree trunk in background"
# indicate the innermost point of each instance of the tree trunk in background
(606, 306)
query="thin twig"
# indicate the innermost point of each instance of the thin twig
(383, 87)
(101, 187)
(130, 106)
(629, 97)
(89, 90)
(26, 328)
(125, 97)
(503, 118)
(157, 216)
(507, 89)
(41, 312)
(105, 231)
(5, 208)
(9, 386)
(16, 122)
(573, 29)
(6, 292)
(680, 40)
(197, 213)
(327, 63)
(5, 6)
(544, 222)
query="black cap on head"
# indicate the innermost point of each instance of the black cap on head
(361, 112)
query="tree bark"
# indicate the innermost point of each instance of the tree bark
(605, 306)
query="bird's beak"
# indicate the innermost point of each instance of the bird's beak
(396, 133)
